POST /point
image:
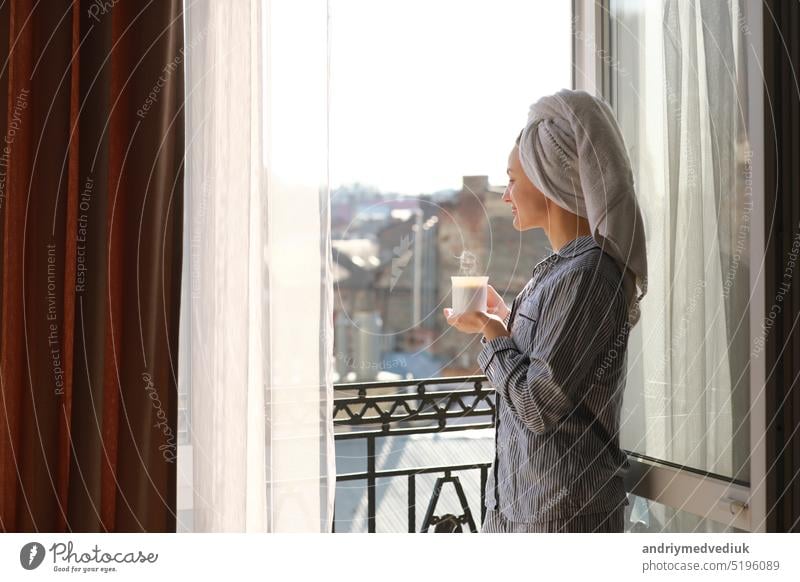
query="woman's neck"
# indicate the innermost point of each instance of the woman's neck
(566, 228)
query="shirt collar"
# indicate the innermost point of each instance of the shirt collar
(577, 246)
(571, 249)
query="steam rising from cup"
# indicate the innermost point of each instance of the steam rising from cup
(468, 263)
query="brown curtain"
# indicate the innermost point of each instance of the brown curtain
(91, 208)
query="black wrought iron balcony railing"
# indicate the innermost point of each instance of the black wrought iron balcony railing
(375, 410)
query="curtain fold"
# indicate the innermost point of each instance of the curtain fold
(698, 189)
(90, 226)
(257, 322)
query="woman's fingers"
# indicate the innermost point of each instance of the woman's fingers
(492, 298)
(495, 303)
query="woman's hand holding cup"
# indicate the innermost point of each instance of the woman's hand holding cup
(490, 322)
(495, 303)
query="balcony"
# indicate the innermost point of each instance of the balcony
(375, 414)
(448, 491)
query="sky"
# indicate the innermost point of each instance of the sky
(425, 92)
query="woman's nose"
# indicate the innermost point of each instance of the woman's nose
(507, 194)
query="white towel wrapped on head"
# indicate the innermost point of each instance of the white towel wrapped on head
(573, 151)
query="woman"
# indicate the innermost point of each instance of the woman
(557, 357)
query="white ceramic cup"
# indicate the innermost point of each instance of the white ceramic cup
(469, 293)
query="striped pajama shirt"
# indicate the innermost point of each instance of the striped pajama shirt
(559, 381)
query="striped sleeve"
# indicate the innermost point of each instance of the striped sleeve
(577, 316)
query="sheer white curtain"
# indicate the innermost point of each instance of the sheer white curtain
(707, 355)
(257, 325)
(679, 92)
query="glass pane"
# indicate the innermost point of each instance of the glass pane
(427, 99)
(646, 516)
(677, 85)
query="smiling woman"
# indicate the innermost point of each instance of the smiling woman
(557, 468)
(528, 204)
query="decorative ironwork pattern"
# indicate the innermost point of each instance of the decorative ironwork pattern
(373, 410)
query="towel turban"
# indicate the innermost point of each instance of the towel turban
(573, 151)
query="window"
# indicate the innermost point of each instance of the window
(426, 102)
(677, 75)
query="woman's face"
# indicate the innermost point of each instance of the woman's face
(528, 203)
